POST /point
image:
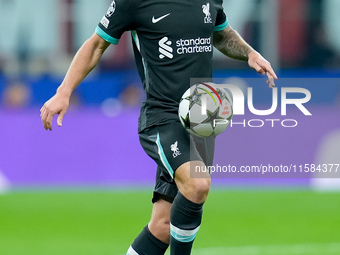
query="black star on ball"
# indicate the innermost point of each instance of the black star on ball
(212, 116)
(195, 98)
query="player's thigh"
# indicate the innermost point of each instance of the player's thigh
(193, 178)
(170, 146)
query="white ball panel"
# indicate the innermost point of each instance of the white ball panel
(183, 108)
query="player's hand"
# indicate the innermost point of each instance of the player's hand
(58, 104)
(262, 66)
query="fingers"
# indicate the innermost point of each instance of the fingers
(259, 69)
(271, 72)
(263, 67)
(43, 116)
(49, 121)
(46, 118)
(56, 105)
(260, 64)
(271, 80)
(60, 118)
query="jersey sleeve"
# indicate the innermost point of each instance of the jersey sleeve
(221, 19)
(117, 20)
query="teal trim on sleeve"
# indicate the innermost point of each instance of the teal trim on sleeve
(222, 26)
(105, 36)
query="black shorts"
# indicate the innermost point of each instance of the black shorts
(170, 146)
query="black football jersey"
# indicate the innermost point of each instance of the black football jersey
(172, 41)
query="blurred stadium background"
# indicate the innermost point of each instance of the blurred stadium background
(85, 188)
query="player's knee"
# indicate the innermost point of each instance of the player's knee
(202, 187)
(196, 190)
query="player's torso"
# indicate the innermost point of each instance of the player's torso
(174, 39)
(170, 30)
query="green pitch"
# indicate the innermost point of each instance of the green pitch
(105, 222)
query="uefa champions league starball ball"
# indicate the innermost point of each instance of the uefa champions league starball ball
(205, 110)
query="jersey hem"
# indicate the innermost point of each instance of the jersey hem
(105, 36)
(222, 26)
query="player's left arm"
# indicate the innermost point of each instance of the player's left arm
(231, 44)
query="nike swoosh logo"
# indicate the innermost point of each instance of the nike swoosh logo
(160, 18)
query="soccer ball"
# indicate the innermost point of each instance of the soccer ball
(205, 110)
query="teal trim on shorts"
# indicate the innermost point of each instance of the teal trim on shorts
(163, 157)
(222, 26)
(105, 36)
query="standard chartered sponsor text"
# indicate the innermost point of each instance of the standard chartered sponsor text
(198, 45)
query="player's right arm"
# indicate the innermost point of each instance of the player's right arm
(230, 43)
(83, 62)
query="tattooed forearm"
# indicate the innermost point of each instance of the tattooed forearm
(230, 43)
